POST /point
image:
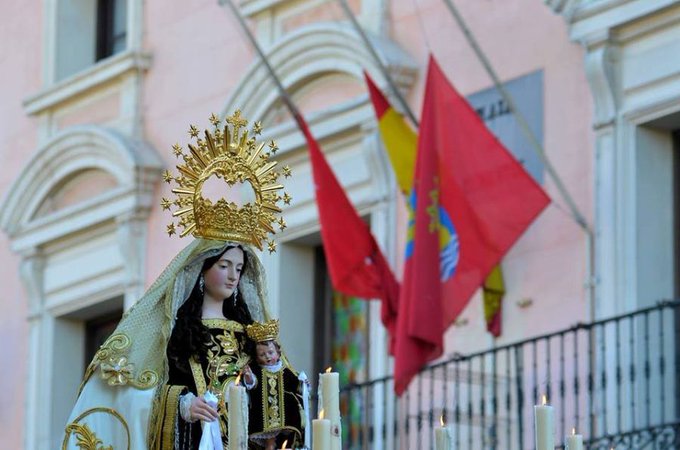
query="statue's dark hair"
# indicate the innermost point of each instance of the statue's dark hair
(190, 337)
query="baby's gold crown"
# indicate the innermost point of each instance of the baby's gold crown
(262, 332)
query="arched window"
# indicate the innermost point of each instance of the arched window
(77, 216)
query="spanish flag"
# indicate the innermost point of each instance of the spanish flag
(399, 139)
(400, 143)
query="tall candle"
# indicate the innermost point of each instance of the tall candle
(443, 439)
(573, 441)
(543, 422)
(238, 417)
(330, 395)
(321, 433)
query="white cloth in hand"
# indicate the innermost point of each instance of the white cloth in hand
(211, 439)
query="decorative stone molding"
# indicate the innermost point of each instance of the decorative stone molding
(133, 164)
(313, 51)
(564, 7)
(131, 231)
(372, 15)
(31, 273)
(601, 74)
(105, 71)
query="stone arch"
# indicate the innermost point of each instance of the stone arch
(132, 164)
(312, 51)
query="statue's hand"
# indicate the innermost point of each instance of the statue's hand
(248, 376)
(200, 409)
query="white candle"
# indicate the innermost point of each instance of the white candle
(443, 437)
(238, 417)
(573, 441)
(330, 395)
(321, 433)
(543, 422)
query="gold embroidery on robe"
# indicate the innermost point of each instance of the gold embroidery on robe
(112, 359)
(224, 362)
(86, 439)
(273, 412)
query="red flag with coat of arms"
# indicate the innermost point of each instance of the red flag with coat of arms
(471, 201)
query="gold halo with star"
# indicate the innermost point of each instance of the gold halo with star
(233, 156)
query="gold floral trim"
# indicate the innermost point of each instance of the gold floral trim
(86, 439)
(224, 324)
(224, 362)
(273, 411)
(112, 360)
(169, 407)
(199, 378)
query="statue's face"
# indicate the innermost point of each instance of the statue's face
(267, 353)
(222, 278)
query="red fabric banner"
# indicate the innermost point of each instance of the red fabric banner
(356, 265)
(473, 200)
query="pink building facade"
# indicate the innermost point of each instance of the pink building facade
(85, 139)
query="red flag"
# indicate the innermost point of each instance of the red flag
(472, 201)
(400, 141)
(356, 265)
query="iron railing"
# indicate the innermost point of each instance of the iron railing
(614, 380)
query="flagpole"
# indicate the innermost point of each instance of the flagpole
(378, 61)
(282, 90)
(524, 126)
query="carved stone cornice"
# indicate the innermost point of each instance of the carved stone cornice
(31, 272)
(600, 66)
(131, 233)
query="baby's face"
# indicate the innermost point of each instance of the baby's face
(267, 354)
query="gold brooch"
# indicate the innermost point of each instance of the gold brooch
(228, 155)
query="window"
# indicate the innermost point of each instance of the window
(111, 27)
(86, 32)
(97, 330)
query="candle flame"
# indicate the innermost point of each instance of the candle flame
(329, 369)
(284, 444)
(441, 420)
(321, 414)
(238, 379)
(544, 400)
(573, 431)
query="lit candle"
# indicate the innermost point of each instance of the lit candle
(284, 444)
(543, 423)
(573, 441)
(321, 433)
(442, 436)
(238, 417)
(330, 395)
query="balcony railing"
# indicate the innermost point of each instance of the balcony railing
(614, 380)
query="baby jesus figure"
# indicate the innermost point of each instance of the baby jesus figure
(276, 403)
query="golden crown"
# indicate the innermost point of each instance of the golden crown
(231, 155)
(262, 332)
